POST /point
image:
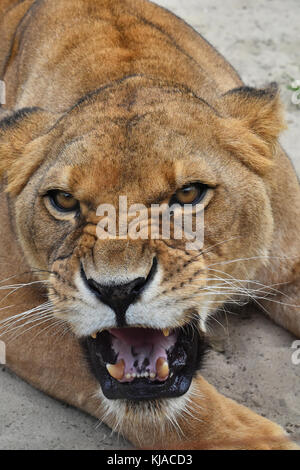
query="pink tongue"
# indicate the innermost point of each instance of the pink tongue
(140, 348)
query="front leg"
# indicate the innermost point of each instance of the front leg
(207, 420)
(284, 307)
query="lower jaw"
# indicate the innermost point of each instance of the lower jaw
(142, 389)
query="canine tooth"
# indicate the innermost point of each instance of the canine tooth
(166, 331)
(162, 368)
(116, 370)
(94, 335)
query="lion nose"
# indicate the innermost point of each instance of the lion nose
(119, 297)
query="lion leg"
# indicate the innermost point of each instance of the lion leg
(284, 308)
(212, 421)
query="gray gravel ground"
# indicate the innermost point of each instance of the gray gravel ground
(261, 40)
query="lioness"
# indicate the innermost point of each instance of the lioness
(107, 99)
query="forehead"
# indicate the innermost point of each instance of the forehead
(144, 150)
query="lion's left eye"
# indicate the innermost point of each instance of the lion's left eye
(63, 202)
(190, 194)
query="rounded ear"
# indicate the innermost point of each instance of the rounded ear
(23, 136)
(252, 124)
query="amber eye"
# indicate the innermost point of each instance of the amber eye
(63, 202)
(190, 194)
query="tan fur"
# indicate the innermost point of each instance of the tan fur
(126, 99)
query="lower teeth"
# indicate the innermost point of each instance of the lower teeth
(117, 371)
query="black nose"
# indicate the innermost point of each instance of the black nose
(119, 297)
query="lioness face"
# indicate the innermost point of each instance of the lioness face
(140, 306)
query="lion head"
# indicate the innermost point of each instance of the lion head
(140, 306)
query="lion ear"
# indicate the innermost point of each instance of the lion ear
(23, 139)
(252, 124)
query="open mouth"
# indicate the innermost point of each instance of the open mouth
(144, 363)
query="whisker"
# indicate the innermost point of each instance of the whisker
(28, 312)
(38, 323)
(37, 317)
(17, 287)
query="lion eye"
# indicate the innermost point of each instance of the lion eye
(190, 194)
(63, 202)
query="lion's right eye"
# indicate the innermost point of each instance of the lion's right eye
(190, 194)
(63, 202)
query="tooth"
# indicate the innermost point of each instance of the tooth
(133, 375)
(116, 370)
(94, 335)
(166, 331)
(128, 376)
(146, 375)
(152, 375)
(162, 368)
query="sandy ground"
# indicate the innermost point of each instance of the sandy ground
(261, 39)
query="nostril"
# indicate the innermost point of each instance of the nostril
(120, 291)
(137, 290)
(125, 292)
(136, 286)
(119, 297)
(94, 286)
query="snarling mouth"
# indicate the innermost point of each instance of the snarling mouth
(144, 363)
